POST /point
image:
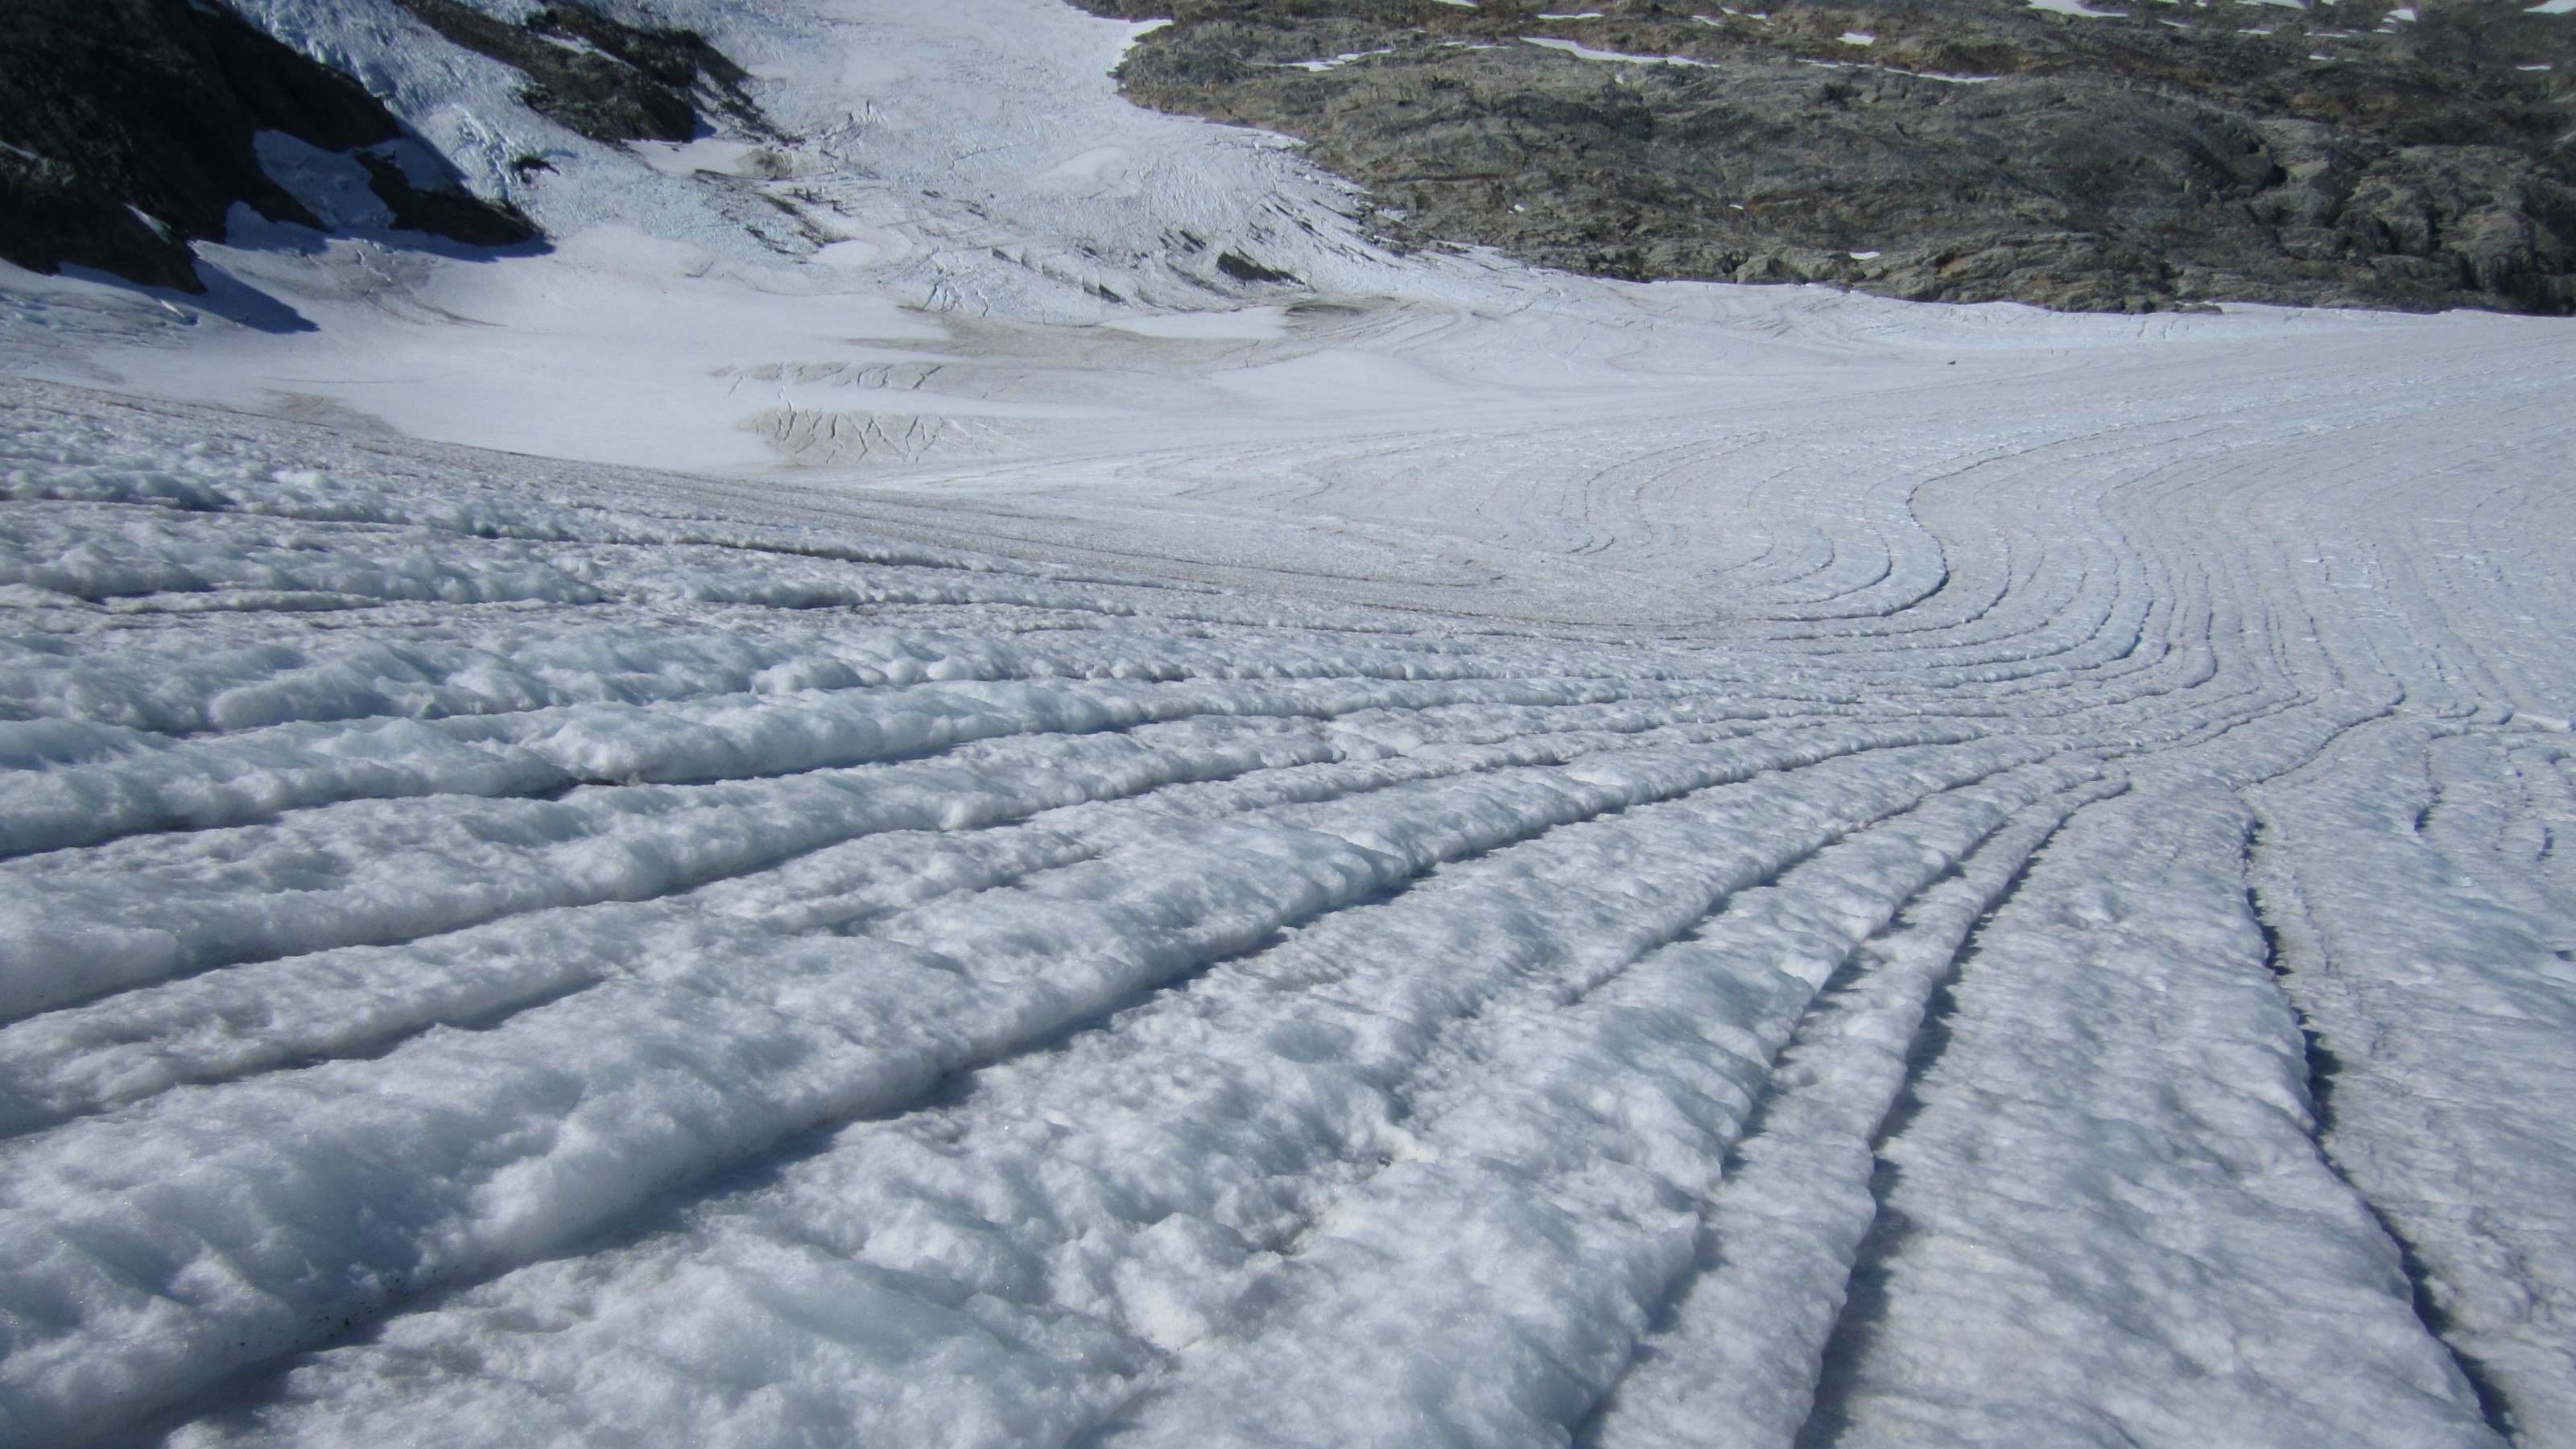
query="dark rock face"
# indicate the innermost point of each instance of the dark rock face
(442, 211)
(599, 76)
(1971, 150)
(126, 132)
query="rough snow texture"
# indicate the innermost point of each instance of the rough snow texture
(1494, 861)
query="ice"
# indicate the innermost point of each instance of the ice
(1249, 324)
(954, 821)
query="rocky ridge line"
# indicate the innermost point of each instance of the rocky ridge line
(2125, 156)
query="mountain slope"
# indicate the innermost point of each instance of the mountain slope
(1959, 150)
(128, 129)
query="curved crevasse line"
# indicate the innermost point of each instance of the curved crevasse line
(2424, 980)
(571, 1113)
(359, 1001)
(2291, 936)
(1733, 1357)
(2132, 920)
(377, 872)
(157, 785)
(1197, 1117)
(1504, 1226)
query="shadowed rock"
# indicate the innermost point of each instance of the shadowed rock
(599, 76)
(126, 131)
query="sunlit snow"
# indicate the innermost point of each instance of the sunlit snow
(955, 823)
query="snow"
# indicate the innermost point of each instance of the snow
(1333, 62)
(1247, 324)
(959, 826)
(712, 154)
(1585, 52)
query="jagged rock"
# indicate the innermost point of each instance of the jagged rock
(126, 131)
(445, 212)
(599, 76)
(1965, 150)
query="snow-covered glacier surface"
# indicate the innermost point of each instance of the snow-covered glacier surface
(1112, 853)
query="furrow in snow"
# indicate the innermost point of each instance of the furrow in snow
(81, 783)
(1732, 1360)
(2404, 874)
(2121, 1104)
(1552, 1177)
(516, 1139)
(233, 1021)
(1082, 1211)
(144, 909)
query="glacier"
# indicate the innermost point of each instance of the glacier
(874, 803)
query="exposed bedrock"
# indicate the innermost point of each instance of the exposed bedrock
(1960, 150)
(591, 73)
(127, 130)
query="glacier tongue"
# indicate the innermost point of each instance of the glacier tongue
(975, 829)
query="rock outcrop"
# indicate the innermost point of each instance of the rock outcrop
(127, 130)
(2113, 155)
(599, 76)
(128, 127)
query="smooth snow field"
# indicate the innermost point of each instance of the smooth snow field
(874, 804)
